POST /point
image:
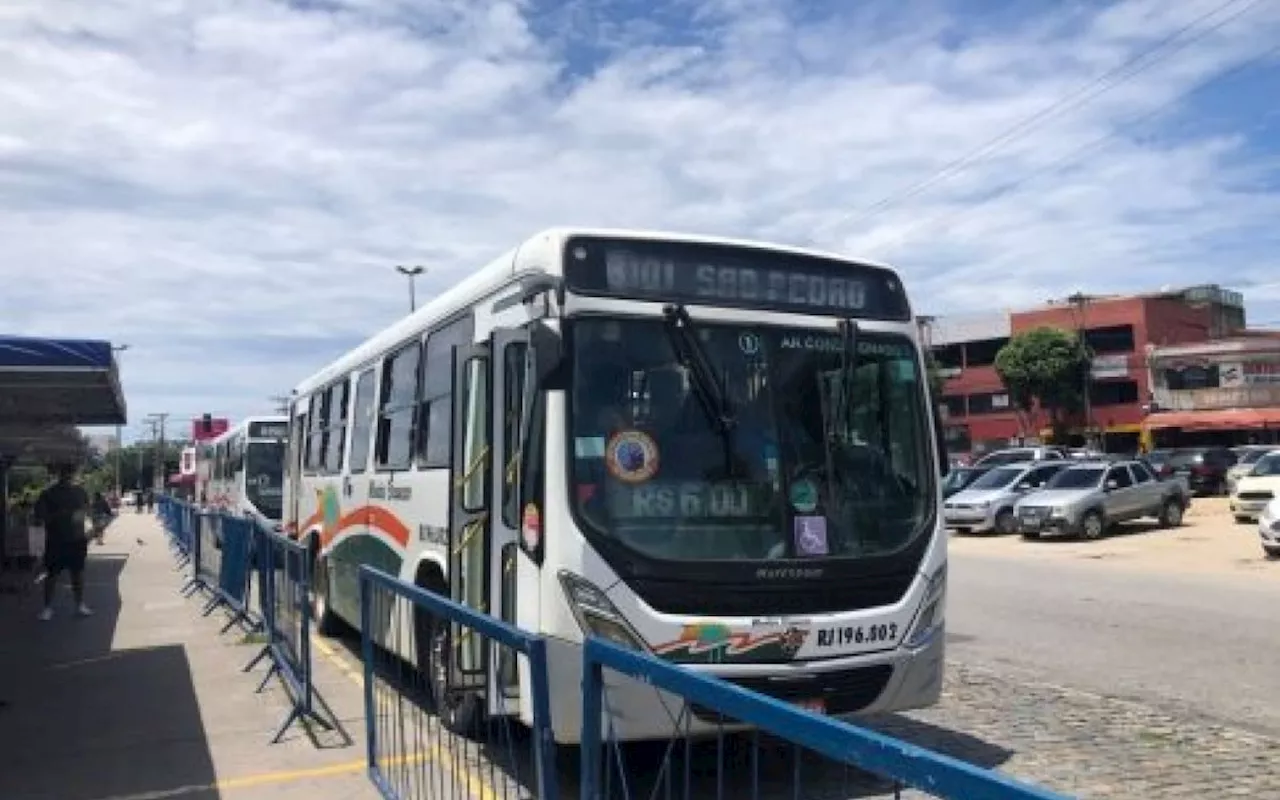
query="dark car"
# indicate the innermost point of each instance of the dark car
(1203, 468)
(959, 478)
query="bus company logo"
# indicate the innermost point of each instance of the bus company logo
(713, 642)
(789, 573)
(632, 456)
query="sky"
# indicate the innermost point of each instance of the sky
(227, 185)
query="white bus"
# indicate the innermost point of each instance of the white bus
(720, 452)
(245, 469)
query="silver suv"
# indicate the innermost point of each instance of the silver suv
(987, 503)
(1088, 498)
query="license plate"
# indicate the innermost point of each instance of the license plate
(816, 705)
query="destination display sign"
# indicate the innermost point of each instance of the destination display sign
(268, 430)
(740, 277)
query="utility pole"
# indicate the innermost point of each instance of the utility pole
(281, 403)
(157, 436)
(412, 274)
(1080, 301)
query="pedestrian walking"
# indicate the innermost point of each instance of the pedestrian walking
(102, 516)
(61, 509)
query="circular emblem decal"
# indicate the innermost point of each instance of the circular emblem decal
(804, 496)
(632, 456)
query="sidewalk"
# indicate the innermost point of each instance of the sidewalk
(146, 701)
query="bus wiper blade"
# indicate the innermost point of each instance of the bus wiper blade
(692, 357)
(847, 330)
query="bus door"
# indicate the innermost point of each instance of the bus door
(484, 521)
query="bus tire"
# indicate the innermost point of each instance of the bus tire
(460, 711)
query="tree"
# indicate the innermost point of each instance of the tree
(1045, 368)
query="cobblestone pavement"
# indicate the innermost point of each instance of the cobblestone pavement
(1078, 743)
(1088, 745)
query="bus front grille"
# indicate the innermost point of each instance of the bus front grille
(845, 691)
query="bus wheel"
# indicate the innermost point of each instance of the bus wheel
(458, 709)
(327, 623)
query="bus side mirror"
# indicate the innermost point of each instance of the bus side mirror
(546, 348)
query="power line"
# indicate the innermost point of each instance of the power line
(1075, 99)
(1074, 155)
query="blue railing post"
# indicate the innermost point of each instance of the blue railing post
(544, 744)
(592, 709)
(366, 654)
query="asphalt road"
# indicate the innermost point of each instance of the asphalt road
(1205, 646)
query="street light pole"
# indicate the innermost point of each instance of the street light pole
(412, 273)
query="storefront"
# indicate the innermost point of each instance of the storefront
(1223, 393)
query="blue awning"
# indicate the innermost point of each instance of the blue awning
(48, 384)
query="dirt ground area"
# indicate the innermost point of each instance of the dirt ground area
(1209, 541)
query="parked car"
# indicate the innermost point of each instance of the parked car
(1086, 499)
(1257, 489)
(1018, 455)
(960, 477)
(1205, 468)
(987, 503)
(1269, 529)
(1246, 457)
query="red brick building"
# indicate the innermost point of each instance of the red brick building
(1118, 330)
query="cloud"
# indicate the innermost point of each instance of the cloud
(226, 186)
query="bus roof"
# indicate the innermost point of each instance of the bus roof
(243, 427)
(538, 253)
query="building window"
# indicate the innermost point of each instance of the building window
(989, 403)
(1110, 339)
(953, 405)
(949, 356)
(983, 353)
(1191, 376)
(1113, 393)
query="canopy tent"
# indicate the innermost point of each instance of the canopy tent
(49, 386)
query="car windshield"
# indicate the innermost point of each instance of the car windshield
(998, 478)
(1181, 458)
(801, 469)
(1251, 456)
(957, 478)
(1077, 478)
(264, 477)
(1268, 466)
(1001, 457)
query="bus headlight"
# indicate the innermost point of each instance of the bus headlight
(929, 620)
(596, 614)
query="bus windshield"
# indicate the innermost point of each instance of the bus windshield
(264, 477)
(788, 465)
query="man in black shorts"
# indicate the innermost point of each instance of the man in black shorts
(61, 508)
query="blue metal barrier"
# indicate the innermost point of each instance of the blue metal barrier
(420, 746)
(232, 586)
(703, 695)
(284, 581)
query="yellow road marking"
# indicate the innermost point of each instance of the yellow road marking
(475, 783)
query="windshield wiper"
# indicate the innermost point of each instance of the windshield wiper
(711, 395)
(847, 330)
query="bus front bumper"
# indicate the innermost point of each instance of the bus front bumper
(848, 687)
